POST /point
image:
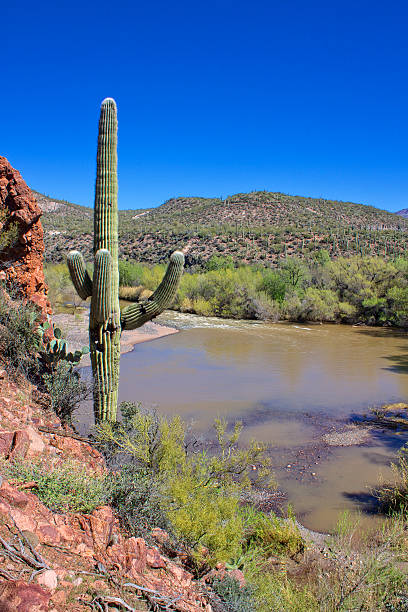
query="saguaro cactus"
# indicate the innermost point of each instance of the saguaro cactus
(105, 321)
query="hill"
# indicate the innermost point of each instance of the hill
(254, 227)
(403, 213)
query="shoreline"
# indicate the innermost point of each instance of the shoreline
(74, 329)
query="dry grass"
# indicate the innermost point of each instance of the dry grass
(134, 294)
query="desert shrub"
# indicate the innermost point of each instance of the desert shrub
(234, 597)
(201, 307)
(292, 308)
(59, 283)
(272, 535)
(68, 487)
(137, 496)
(358, 288)
(394, 496)
(259, 306)
(275, 591)
(361, 571)
(324, 305)
(134, 294)
(398, 303)
(294, 272)
(130, 273)
(66, 389)
(228, 293)
(273, 285)
(219, 262)
(358, 571)
(19, 340)
(199, 491)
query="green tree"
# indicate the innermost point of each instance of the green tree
(294, 272)
(273, 284)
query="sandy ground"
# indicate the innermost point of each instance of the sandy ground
(75, 330)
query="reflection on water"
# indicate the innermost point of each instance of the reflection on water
(283, 381)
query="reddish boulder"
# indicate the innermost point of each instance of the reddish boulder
(154, 559)
(13, 496)
(22, 597)
(6, 442)
(23, 261)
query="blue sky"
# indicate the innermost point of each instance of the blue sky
(214, 98)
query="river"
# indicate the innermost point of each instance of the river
(290, 385)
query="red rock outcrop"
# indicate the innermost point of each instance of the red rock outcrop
(84, 555)
(22, 262)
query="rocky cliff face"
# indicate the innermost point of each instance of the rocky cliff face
(22, 261)
(74, 562)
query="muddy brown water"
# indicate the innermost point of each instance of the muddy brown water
(289, 385)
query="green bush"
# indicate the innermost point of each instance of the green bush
(353, 289)
(68, 487)
(66, 389)
(19, 340)
(200, 492)
(272, 535)
(234, 597)
(137, 496)
(273, 285)
(393, 496)
(219, 262)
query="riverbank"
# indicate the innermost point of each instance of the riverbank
(74, 328)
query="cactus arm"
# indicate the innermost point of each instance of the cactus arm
(105, 323)
(137, 314)
(79, 274)
(101, 297)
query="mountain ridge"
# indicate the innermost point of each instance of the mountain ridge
(256, 227)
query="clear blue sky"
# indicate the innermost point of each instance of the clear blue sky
(214, 98)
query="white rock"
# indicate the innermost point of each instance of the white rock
(48, 579)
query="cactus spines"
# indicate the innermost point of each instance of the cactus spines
(105, 321)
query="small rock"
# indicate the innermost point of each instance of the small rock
(36, 445)
(59, 598)
(48, 579)
(23, 521)
(160, 535)
(31, 537)
(99, 585)
(154, 559)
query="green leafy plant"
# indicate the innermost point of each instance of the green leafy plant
(68, 487)
(19, 340)
(66, 389)
(236, 598)
(200, 491)
(272, 535)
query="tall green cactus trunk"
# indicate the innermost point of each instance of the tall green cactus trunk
(105, 320)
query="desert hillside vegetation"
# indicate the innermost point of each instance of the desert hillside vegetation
(257, 227)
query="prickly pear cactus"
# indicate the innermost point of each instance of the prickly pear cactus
(105, 320)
